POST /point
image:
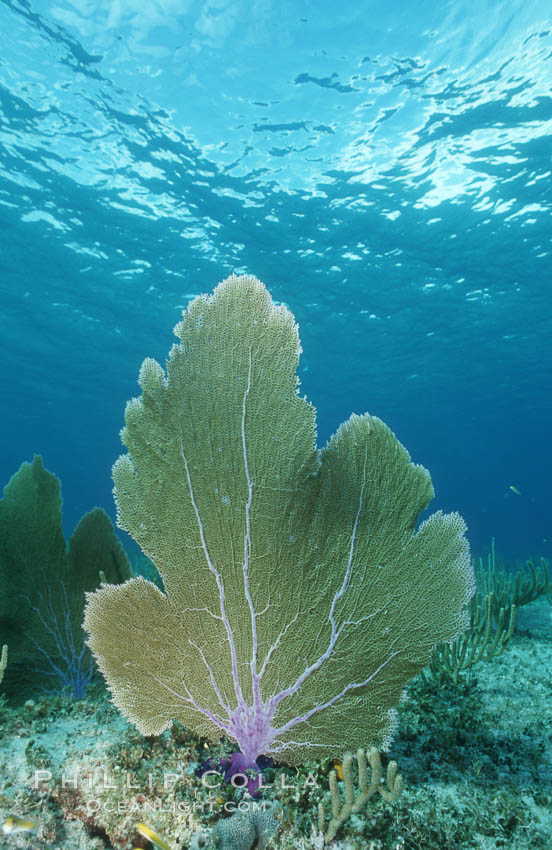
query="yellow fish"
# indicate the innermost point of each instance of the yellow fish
(515, 490)
(14, 824)
(152, 836)
(338, 767)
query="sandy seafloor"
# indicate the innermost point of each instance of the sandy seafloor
(476, 759)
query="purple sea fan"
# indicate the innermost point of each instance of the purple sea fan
(299, 596)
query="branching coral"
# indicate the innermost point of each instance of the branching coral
(355, 798)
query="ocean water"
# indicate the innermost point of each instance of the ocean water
(384, 168)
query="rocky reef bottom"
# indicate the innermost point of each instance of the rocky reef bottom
(475, 759)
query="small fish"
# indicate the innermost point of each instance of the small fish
(515, 490)
(338, 767)
(14, 824)
(152, 836)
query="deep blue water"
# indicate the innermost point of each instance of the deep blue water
(385, 169)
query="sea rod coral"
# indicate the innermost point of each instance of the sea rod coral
(299, 597)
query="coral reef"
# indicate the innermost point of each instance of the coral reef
(476, 759)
